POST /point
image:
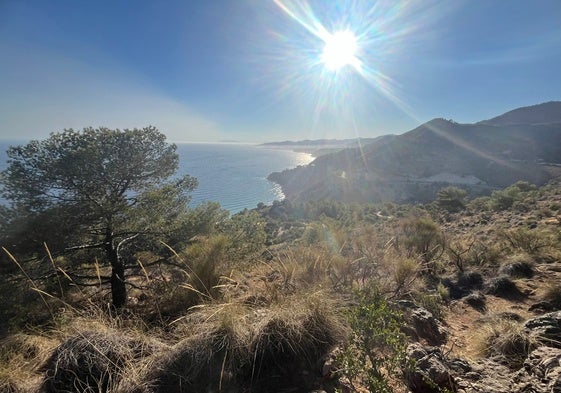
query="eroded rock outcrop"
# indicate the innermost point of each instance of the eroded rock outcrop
(422, 325)
(436, 371)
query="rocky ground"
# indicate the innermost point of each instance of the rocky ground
(496, 339)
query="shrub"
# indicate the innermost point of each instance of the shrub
(480, 204)
(305, 267)
(528, 240)
(376, 348)
(458, 250)
(194, 278)
(503, 287)
(422, 237)
(552, 295)
(404, 272)
(482, 254)
(477, 301)
(506, 198)
(247, 232)
(470, 280)
(451, 199)
(518, 266)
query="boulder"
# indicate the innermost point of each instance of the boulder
(428, 327)
(429, 373)
(484, 376)
(433, 371)
(422, 324)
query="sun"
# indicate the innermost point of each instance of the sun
(340, 50)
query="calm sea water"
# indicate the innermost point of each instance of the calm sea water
(234, 175)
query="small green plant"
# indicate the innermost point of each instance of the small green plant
(375, 352)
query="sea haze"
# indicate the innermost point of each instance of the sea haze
(234, 175)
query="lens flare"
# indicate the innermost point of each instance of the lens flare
(359, 39)
(340, 50)
(343, 57)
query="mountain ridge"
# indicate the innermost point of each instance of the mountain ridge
(411, 167)
(546, 112)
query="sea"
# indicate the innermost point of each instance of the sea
(234, 175)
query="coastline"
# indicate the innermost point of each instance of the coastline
(274, 177)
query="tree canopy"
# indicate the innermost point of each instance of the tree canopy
(96, 189)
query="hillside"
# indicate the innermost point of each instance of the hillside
(471, 298)
(524, 144)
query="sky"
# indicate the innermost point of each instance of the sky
(255, 70)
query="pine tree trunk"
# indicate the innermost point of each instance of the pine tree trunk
(118, 287)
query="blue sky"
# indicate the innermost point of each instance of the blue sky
(250, 70)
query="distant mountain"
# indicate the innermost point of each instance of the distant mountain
(320, 142)
(548, 112)
(319, 147)
(416, 164)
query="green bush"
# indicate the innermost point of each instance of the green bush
(506, 198)
(451, 199)
(375, 352)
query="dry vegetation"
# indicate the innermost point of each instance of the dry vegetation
(230, 313)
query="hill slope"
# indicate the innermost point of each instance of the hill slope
(548, 112)
(519, 145)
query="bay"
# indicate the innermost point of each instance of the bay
(234, 175)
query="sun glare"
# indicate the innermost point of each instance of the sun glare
(340, 50)
(346, 46)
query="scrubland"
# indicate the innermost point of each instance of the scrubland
(293, 297)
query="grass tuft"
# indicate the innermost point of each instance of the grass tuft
(505, 341)
(91, 361)
(234, 347)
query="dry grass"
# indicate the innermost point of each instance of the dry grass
(93, 361)
(505, 341)
(398, 274)
(21, 356)
(552, 295)
(231, 347)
